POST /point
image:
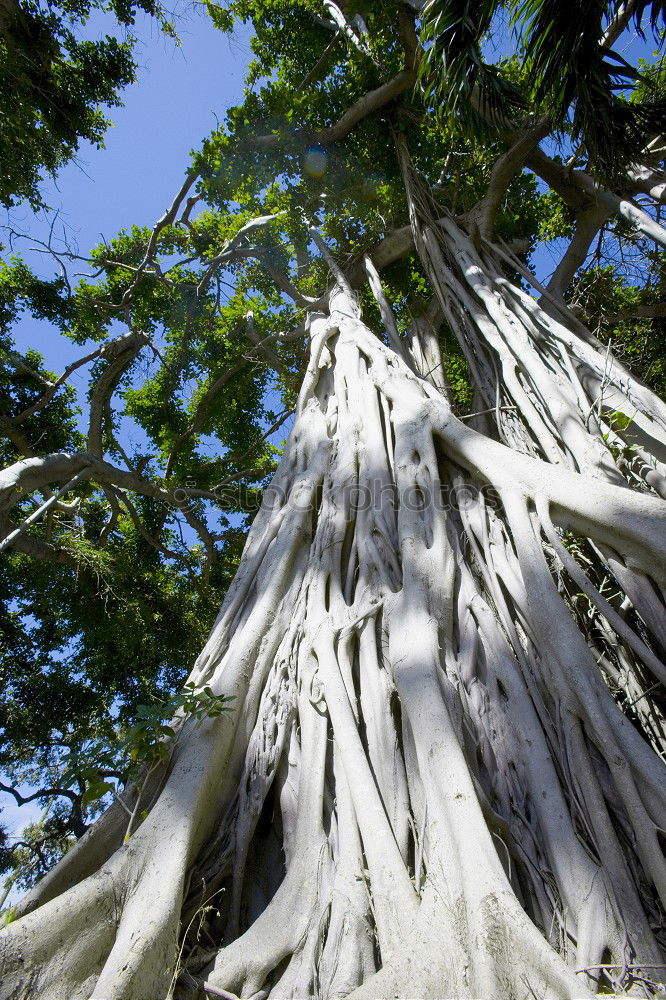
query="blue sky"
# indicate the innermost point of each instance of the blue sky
(166, 113)
(180, 93)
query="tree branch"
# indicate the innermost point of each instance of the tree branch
(143, 531)
(167, 219)
(36, 514)
(321, 62)
(200, 413)
(264, 345)
(15, 359)
(31, 474)
(340, 22)
(367, 105)
(113, 517)
(619, 22)
(649, 181)
(126, 350)
(38, 549)
(504, 170)
(388, 319)
(588, 223)
(204, 534)
(43, 793)
(106, 349)
(17, 437)
(578, 190)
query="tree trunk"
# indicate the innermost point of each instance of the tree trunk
(437, 779)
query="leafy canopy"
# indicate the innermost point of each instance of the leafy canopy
(53, 82)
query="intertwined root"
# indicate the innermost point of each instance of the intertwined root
(426, 788)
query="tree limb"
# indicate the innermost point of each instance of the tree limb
(321, 62)
(42, 793)
(31, 474)
(578, 189)
(200, 413)
(34, 547)
(649, 181)
(366, 105)
(106, 349)
(126, 349)
(36, 514)
(588, 223)
(143, 531)
(504, 170)
(15, 359)
(388, 319)
(167, 219)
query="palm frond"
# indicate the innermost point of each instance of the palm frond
(657, 9)
(454, 71)
(578, 80)
(575, 75)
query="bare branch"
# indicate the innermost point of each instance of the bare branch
(35, 473)
(42, 793)
(621, 206)
(271, 430)
(204, 534)
(264, 345)
(200, 413)
(588, 223)
(126, 349)
(232, 247)
(503, 172)
(365, 106)
(167, 219)
(343, 26)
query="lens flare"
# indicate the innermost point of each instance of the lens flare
(315, 161)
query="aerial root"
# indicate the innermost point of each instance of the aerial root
(499, 954)
(280, 930)
(425, 773)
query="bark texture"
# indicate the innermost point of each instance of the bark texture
(443, 775)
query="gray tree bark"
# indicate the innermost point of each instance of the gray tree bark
(428, 786)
